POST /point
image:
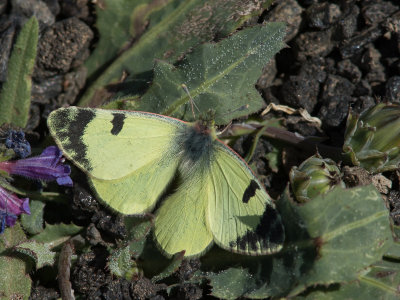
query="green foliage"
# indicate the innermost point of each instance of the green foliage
(220, 77)
(174, 264)
(57, 234)
(39, 252)
(174, 28)
(121, 263)
(372, 139)
(15, 282)
(122, 260)
(331, 239)
(128, 19)
(350, 229)
(16, 93)
(231, 283)
(33, 223)
(380, 281)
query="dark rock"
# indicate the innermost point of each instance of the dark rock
(187, 268)
(72, 85)
(334, 110)
(357, 44)
(356, 176)
(316, 67)
(313, 43)
(297, 124)
(116, 290)
(6, 42)
(144, 288)
(362, 89)
(189, 291)
(75, 8)
(60, 46)
(322, 15)
(300, 92)
(370, 62)
(42, 293)
(393, 89)
(349, 70)
(377, 11)
(34, 117)
(3, 6)
(336, 86)
(89, 273)
(336, 97)
(394, 202)
(111, 225)
(84, 205)
(288, 11)
(392, 27)
(307, 3)
(362, 103)
(347, 25)
(269, 95)
(53, 5)
(46, 89)
(37, 8)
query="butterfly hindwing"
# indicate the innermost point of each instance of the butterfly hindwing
(218, 200)
(130, 157)
(181, 220)
(241, 215)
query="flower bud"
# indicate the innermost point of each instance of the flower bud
(313, 177)
(372, 139)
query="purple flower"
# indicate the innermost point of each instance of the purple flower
(10, 207)
(47, 166)
(6, 219)
(16, 141)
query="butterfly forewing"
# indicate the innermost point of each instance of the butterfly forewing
(130, 157)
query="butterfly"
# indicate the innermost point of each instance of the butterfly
(132, 159)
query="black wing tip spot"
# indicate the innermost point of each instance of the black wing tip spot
(269, 233)
(74, 130)
(250, 191)
(118, 123)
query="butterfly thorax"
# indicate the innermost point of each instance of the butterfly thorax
(197, 142)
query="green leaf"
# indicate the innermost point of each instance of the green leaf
(16, 93)
(176, 261)
(219, 76)
(39, 252)
(33, 223)
(381, 282)
(231, 283)
(137, 230)
(128, 19)
(55, 235)
(121, 263)
(393, 251)
(350, 229)
(15, 282)
(177, 27)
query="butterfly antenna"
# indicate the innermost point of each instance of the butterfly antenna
(192, 103)
(243, 107)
